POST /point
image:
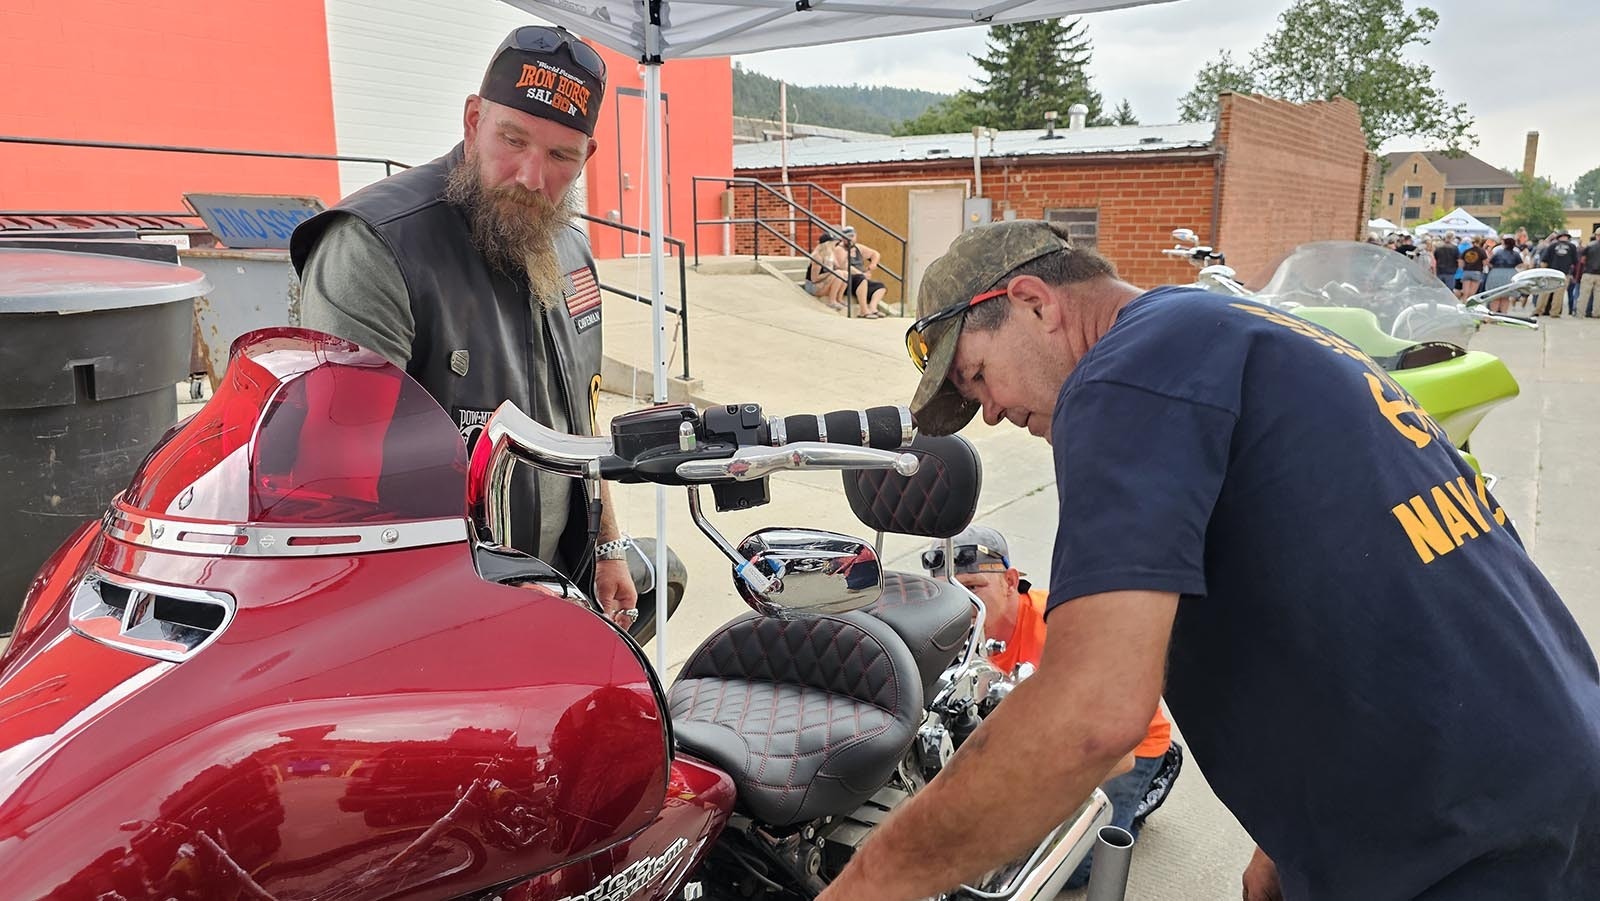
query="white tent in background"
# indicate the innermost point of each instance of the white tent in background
(1463, 223)
(653, 31)
(1381, 227)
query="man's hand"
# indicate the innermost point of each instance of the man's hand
(613, 588)
(1261, 879)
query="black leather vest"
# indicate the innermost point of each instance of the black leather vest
(474, 343)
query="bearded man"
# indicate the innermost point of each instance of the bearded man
(469, 273)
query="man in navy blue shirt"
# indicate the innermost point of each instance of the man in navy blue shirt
(1373, 675)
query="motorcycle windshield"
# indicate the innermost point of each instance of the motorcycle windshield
(1336, 283)
(307, 429)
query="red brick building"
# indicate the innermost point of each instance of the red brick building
(1269, 175)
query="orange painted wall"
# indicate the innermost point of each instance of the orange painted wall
(699, 132)
(243, 74)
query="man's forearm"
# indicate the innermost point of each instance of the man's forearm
(1034, 759)
(1007, 802)
(609, 531)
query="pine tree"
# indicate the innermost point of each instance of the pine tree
(1031, 68)
(1123, 115)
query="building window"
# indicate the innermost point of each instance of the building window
(1413, 192)
(1491, 221)
(1480, 196)
(1433, 198)
(1391, 198)
(1410, 212)
(1083, 226)
(1413, 168)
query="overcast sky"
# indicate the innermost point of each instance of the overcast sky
(1495, 61)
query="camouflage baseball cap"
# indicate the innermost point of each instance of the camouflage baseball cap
(976, 260)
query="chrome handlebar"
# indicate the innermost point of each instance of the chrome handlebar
(512, 435)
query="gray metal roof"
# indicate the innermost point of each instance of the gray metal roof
(1105, 139)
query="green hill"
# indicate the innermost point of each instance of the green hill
(859, 107)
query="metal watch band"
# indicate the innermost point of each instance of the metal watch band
(613, 550)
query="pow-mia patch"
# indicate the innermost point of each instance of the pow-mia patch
(458, 362)
(583, 302)
(471, 422)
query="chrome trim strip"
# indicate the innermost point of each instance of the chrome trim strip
(274, 541)
(777, 432)
(87, 606)
(908, 430)
(822, 429)
(866, 433)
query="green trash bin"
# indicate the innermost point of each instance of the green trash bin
(94, 337)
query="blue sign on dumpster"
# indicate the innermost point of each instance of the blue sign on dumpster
(253, 220)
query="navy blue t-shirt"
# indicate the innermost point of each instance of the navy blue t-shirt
(1373, 674)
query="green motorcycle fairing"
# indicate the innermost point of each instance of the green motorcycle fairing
(1458, 393)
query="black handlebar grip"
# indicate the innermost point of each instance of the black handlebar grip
(889, 427)
(885, 428)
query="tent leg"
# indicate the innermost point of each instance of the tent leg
(658, 300)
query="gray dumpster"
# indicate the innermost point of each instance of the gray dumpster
(94, 336)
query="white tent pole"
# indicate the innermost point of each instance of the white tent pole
(658, 301)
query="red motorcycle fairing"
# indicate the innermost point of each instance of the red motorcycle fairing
(356, 722)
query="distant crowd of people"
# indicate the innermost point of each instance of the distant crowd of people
(1468, 265)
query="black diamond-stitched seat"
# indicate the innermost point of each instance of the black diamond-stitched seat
(931, 616)
(809, 716)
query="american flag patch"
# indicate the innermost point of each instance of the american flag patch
(585, 296)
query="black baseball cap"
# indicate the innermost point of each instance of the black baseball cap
(546, 71)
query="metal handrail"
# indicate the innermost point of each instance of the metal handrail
(683, 281)
(388, 164)
(761, 223)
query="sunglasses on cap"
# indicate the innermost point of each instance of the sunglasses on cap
(966, 557)
(917, 345)
(544, 39)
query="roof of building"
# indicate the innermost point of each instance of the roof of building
(1030, 142)
(749, 128)
(1464, 171)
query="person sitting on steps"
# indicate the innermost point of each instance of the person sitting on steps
(820, 283)
(867, 292)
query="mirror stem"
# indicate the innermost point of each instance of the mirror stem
(752, 575)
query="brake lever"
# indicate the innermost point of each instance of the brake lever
(750, 463)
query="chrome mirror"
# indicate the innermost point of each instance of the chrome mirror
(1540, 281)
(1185, 236)
(811, 572)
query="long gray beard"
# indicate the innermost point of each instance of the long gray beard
(515, 229)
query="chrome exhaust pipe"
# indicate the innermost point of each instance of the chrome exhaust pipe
(1113, 851)
(1054, 860)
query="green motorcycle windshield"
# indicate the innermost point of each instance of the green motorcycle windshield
(1379, 300)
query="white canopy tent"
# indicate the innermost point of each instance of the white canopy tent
(1381, 227)
(654, 31)
(1459, 221)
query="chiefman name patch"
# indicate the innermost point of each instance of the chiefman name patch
(583, 304)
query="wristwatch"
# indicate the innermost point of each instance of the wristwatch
(613, 550)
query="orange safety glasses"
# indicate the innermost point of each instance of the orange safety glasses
(916, 339)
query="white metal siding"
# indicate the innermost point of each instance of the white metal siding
(400, 72)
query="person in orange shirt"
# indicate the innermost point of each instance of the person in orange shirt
(1013, 612)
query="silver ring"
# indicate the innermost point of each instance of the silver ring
(630, 613)
(822, 429)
